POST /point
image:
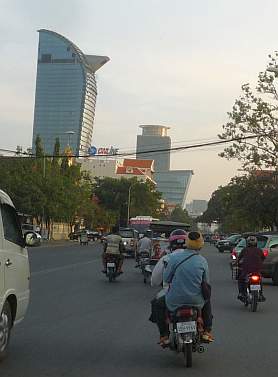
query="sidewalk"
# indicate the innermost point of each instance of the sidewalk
(52, 243)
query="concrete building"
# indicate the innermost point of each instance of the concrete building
(65, 93)
(154, 137)
(173, 184)
(196, 208)
(128, 168)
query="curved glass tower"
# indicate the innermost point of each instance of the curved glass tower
(65, 93)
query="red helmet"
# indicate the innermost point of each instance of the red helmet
(178, 239)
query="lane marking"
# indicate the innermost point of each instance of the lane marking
(67, 267)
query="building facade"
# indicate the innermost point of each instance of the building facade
(197, 207)
(154, 137)
(173, 184)
(66, 93)
(128, 168)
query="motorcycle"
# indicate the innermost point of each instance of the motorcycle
(234, 266)
(253, 291)
(143, 263)
(148, 269)
(186, 328)
(111, 269)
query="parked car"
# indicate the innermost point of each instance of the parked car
(93, 235)
(228, 243)
(269, 245)
(74, 235)
(14, 270)
(130, 239)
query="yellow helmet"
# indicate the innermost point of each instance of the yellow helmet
(194, 241)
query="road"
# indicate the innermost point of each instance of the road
(80, 325)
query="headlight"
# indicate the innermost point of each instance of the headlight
(233, 257)
(125, 243)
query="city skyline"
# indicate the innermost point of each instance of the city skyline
(186, 74)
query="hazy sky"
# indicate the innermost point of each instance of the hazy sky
(174, 62)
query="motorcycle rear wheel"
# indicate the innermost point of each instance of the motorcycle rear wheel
(187, 352)
(254, 301)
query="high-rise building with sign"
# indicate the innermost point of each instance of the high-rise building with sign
(173, 184)
(66, 93)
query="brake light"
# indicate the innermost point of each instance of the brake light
(255, 278)
(265, 252)
(186, 312)
(233, 254)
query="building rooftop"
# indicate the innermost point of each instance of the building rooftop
(141, 164)
(91, 62)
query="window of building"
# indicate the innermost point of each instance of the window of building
(68, 48)
(46, 58)
(11, 225)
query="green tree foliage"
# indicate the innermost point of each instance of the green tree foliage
(255, 113)
(39, 151)
(180, 215)
(247, 203)
(113, 196)
(46, 192)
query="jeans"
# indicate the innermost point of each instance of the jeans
(159, 315)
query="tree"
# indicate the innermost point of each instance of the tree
(180, 215)
(113, 196)
(39, 151)
(255, 113)
(247, 203)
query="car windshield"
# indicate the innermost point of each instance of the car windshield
(27, 227)
(126, 233)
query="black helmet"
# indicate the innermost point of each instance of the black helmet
(252, 241)
(178, 239)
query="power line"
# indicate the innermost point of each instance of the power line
(125, 154)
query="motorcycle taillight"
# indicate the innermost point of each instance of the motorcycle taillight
(255, 278)
(185, 312)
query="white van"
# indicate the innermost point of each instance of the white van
(14, 271)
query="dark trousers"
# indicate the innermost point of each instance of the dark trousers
(159, 315)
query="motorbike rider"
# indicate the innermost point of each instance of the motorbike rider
(113, 247)
(144, 244)
(250, 260)
(187, 274)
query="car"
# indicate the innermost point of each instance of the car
(74, 235)
(93, 235)
(228, 243)
(14, 270)
(269, 245)
(130, 238)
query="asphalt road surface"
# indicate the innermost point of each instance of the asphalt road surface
(80, 325)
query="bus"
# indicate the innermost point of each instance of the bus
(141, 223)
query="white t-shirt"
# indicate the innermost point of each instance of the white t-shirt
(144, 244)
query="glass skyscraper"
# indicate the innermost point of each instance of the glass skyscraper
(65, 93)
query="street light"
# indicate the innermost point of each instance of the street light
(128, 203)
(69, 133)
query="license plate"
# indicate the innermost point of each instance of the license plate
(185, 327)
(255, 287)
(111, 265)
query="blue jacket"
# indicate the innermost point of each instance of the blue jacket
(185, 284)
